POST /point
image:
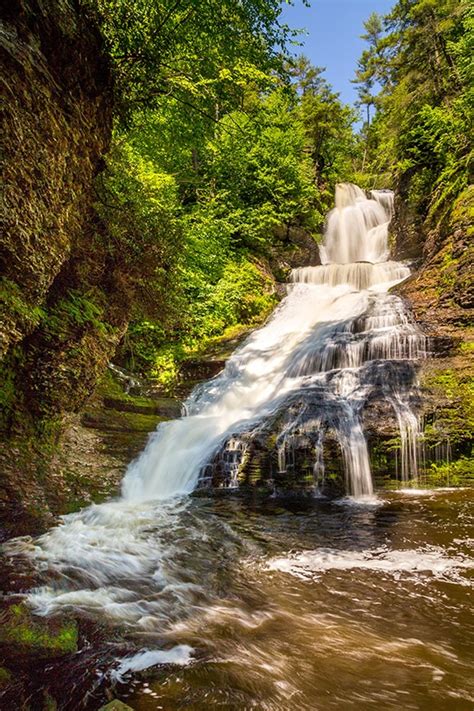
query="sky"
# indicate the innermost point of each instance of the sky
(332, 39)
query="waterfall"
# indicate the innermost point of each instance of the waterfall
(338, 341)
(320, 346)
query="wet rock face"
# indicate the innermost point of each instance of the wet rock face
(305, 445)
(406, 230)
(56, 128)
(441, 297)
(56, 123)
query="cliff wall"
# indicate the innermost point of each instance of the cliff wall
(64, 304)
(441, 296)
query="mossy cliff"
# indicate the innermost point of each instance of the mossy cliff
(64, 302)
(56, 121)
(441, 290)
(441, 295)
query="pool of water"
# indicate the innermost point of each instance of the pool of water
(226, 603)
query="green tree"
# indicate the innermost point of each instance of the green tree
(327, 124)
(199, 53)
(222, 147)
(369, 65)
(420, 133)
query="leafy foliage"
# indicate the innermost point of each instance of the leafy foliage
(420, 133)
(199, 54)
(327, 125)
(202, 204)
(222, 146)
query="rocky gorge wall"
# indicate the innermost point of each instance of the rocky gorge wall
(441, 296)
(63, 305)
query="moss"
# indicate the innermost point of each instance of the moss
(115, 705)
(457, 473)
(453, 418)
(76, 311)
(114, 421)
(114, 397)
(109, 387)
(5, 676)
(462, 210)
(49, 704)
(448, 270)
(7, 392)
(19, 628)
(223, 345)
(467, 347)
(14, 303)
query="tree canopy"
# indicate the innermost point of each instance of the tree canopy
(422, 62)
(223, 144)
(200, 54)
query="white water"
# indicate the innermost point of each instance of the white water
(255, 381)
(311, 564)
(335, 316)
(180, 655)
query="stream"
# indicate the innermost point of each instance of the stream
(227, 603)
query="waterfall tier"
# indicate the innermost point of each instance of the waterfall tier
(359, 276)
(357, 228)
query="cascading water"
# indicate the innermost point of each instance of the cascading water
(336, 340)
(330, 335)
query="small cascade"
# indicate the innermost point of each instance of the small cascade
(385, 199)
(357, 228)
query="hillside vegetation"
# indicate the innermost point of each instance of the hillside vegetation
(184, 159)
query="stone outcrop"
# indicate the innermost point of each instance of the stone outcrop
(441, 296)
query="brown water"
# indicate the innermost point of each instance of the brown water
(292, 605)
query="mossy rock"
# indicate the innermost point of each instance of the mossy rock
(116, 705)
(5, 676)
(449, 405)
(45, 637)
(114, 421)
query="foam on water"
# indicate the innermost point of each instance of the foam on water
(412, 491)
(180, 655)
(432, 560)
